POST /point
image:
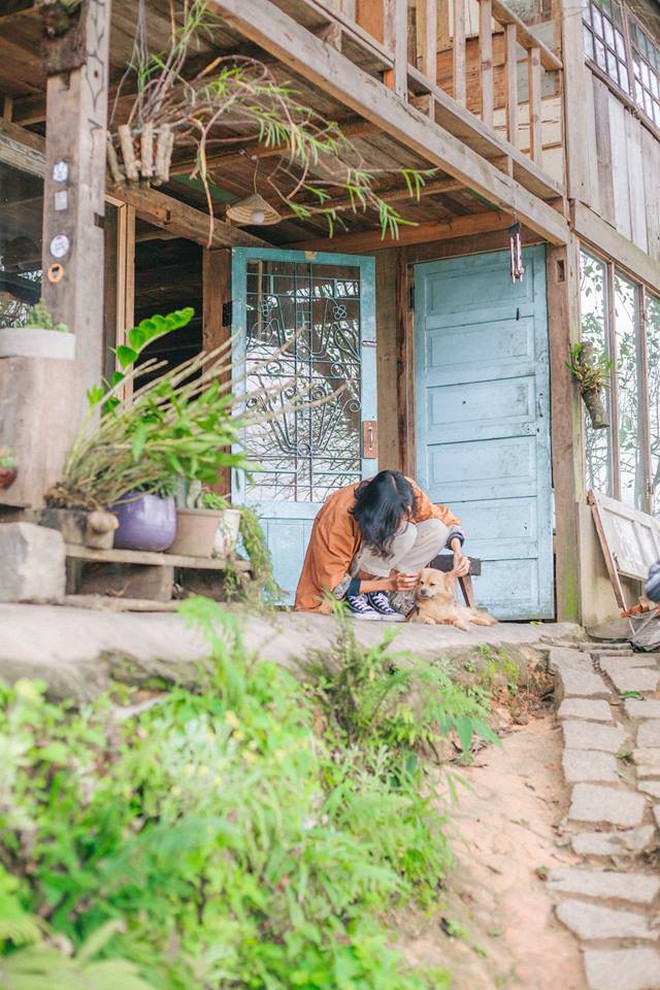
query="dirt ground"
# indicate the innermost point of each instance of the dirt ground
(508, 823)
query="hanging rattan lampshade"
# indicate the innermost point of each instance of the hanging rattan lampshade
(254, 210)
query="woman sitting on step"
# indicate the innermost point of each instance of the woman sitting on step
(372, 538)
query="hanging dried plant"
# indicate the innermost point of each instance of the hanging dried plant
(231, 94)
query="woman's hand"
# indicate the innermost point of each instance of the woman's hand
(404, 582)
(461, 564)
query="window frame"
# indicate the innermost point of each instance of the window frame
(632, 53)
(642, 296)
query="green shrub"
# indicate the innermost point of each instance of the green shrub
(218, 838)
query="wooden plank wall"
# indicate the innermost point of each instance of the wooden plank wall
(623, 185)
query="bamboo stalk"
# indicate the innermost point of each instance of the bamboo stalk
(118, 176)
(147, 147)
(128, 153)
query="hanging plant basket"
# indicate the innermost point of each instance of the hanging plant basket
(143, 155)
(594, 400)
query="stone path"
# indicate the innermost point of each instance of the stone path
(609, 709)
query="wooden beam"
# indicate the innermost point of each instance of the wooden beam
(405, 369)
(503, 15)
(427, 38)
(609, 242)
(216, 291)
(396, 42)
(576, 77)
(370, 240)
(180, 219)
(263, 22)
(563, 290)
(460, 62)
(74, 192)
(534, 105)
(512, 85)
(486, 60)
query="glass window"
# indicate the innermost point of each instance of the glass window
(646, 66)
(21, 209)
(626, 324)
(593, 311)
(653, 351)
(604, 42)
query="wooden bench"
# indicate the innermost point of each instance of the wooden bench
(136, 573)
(445, 562)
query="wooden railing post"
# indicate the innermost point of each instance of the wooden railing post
(486, 60)
(535, 120)
(427, 38)
(395, 13)
(460, 83)
(512, 84)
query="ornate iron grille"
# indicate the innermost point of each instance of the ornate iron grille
(309, 453)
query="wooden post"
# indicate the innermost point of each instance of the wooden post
(576, 77)
(396, 42)
(535, 121)
(512, 84)
(216, 291)
(460, 76)
(405, 367)
(74, 186)
(427, 38)
(567, 462)
(486, 60)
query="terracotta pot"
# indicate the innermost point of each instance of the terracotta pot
(195, 532)
(7, 476)
(594, 400)
(145, 523)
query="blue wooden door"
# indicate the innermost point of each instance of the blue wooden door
(323, 307)
(483, 428)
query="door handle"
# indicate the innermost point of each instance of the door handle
(539, 405)
(369, 438)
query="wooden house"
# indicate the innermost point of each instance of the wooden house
(544, 113)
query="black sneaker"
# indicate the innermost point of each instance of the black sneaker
(381, 604)
(359, 608)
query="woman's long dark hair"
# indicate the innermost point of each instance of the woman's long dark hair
(381, 505)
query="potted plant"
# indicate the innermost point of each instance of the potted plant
(38, 337)
(206, 525)
(8, 467)
(593, 377)
(147, 520)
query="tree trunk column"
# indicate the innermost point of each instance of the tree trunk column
(77, 53)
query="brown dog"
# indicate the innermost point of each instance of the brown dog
(436, 604)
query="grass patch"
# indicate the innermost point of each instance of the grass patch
(251, 833)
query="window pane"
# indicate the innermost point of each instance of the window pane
(21, 206)
(600, 54)
(588, 43)
(594, 329)
(653, 352)
(620, 46)
(627, 378)
(609, 33)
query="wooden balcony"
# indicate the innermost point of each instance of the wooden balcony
(472, 66)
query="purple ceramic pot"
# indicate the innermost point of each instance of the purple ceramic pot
(145, 523)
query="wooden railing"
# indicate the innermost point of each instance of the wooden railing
(478, 52)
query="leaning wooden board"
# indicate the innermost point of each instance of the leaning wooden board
(630, 540)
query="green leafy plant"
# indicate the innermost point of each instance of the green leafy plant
(386, 696)
(212, 839)
(7, 457)
(591, 375)
(211, 500)
(38, 316)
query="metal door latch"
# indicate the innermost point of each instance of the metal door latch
(369, 438)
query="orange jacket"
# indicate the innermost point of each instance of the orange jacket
(335, 541)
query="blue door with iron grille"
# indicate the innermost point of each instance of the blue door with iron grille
(322, 307)
(483, 428)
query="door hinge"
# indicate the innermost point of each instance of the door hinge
(411, 297)
(227, 313)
